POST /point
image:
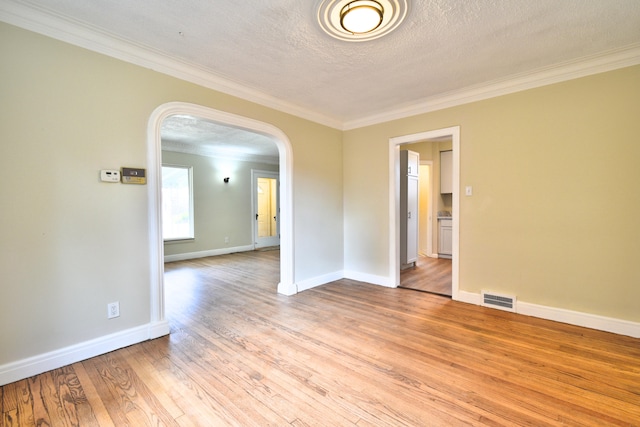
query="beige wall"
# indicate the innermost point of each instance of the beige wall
(70, 244)
(220, 210)
(554, 214)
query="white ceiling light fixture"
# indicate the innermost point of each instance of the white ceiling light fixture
(361, 16)
(361, 20)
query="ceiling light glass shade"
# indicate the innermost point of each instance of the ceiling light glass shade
(361, 16)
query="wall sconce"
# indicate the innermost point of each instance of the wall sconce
(226, 180)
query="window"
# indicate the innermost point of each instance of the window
(177, 203)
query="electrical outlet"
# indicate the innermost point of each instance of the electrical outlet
(226, 240)
(113, 310)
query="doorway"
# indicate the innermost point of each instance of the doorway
(429, 272)
(266, 227)
(452, 133)
(286, 286)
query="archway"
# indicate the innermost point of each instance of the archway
(154, 160)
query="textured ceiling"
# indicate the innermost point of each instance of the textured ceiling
(276, 48)
(187, 134)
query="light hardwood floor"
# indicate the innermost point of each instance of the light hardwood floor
(429, 275)
(342, 354)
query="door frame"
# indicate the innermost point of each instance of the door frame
(286, 285)
(394, 201)
(255, 174)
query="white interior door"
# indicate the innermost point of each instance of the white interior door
(266, 209)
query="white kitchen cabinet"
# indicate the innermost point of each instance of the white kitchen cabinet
(445, 238)
(446, 172)
(409, 192)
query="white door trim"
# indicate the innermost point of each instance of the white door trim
(154, 192)
(394, 197)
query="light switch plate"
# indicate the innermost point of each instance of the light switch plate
(468, 190)
(109, 175)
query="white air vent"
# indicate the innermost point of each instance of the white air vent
(501, 302)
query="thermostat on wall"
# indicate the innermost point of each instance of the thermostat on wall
(108, 175)
(133, 176)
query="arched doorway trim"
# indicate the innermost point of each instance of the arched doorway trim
(286, 286)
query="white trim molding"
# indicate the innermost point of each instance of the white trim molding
(154, 160)
(211, 252)
(319, 281)
(35, 365)
(370, 278)
(582, 67)
(576, 318)
(469, 297)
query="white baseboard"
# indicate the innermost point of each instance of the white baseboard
(469, 298)
(369, 278)
(35, 365)
(577, 318)
(158, 329)
(319, 280)
(210, 252)
(587, 320)
(287, 290)
(337, 275)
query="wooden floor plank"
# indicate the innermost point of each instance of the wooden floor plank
(24, 399)
(130, 402)
(10, 415)
(153, 379)
(92, 407)
(47, 408)
(428, 275)
(197, 403)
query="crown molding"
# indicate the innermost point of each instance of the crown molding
(582, 67)
(62, 28)
(79, 34)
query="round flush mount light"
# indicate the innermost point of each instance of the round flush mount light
(361, 16)
(361, 20)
